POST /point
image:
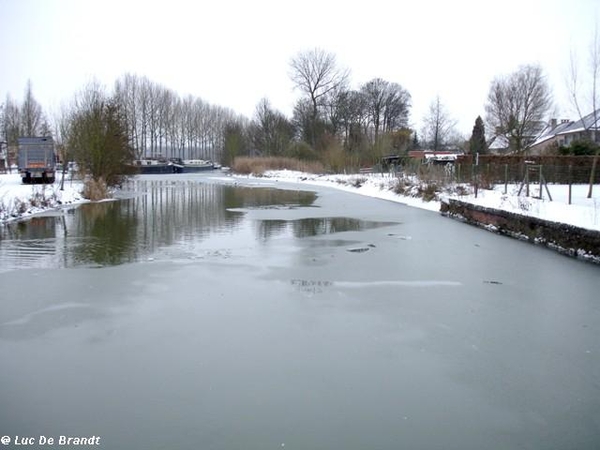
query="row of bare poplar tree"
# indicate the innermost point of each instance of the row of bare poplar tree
(158, 122)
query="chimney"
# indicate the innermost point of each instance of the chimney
(553, 123)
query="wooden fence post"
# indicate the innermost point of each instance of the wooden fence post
(570, 181)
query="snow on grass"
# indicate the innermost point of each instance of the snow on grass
(18, 200)
(583, 212)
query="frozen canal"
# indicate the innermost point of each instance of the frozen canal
(208, 315)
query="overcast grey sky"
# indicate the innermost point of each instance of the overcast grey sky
(234, 52)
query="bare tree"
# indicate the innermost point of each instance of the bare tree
(397, 108)
(269, 132)
(387, 105)
(517, 105)
(97, 136)
(375, 92)
(11, 121)
(174, 129)
(336, 109)
(316, 73)
(592, 91)
(31, 113)
(161, 123)
(62, 128)
(306, 127)
(349, 118)
(357, 123)
(235, 140)
(126, 92)
(23, 120)
(438, 125)
(167, 100)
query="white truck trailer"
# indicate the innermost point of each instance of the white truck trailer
(36, 159)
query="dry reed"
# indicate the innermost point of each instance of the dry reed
(259, 165)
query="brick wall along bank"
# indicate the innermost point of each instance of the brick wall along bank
(567, 239)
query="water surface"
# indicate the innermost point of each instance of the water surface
(286, 319)
(168, 219)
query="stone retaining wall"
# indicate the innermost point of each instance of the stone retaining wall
(567, 239)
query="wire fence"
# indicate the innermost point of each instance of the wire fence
(529, 178)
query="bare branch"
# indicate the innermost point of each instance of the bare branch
(517, 104)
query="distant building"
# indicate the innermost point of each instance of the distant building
(564, 133)
(506, 144)
(429, 156)
(498, 144)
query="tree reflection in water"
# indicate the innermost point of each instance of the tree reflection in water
(165, 213)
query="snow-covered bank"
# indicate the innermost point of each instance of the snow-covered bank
(583, 212)
(19, 201)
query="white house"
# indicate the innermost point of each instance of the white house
(565, 132)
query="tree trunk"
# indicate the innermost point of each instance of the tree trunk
(593, 174)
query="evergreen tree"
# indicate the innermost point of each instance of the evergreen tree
(477, 142)
(416, 145)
